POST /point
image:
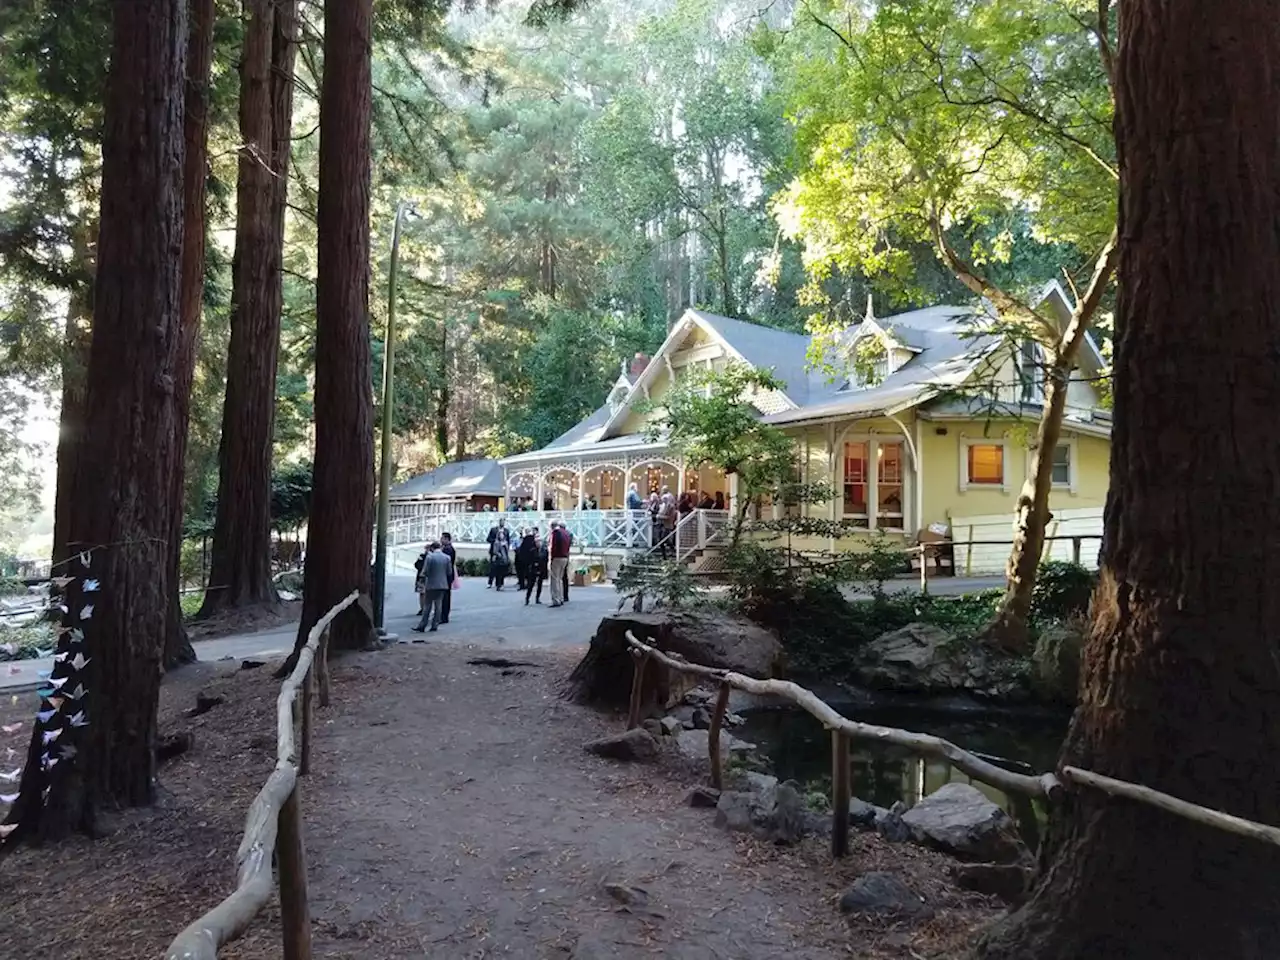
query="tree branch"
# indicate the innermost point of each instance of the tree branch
(1085, 308)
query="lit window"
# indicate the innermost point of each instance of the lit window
(1062, 465)
(855, 482)
(986, 463)
(889, 488)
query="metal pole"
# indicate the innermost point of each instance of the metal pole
(388, 397)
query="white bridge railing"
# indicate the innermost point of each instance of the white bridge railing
(628, 530)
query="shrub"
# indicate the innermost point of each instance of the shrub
(1062, 591)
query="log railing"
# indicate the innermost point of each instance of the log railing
(274, 823)
(1046, 786)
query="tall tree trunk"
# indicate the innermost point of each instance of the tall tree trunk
(547, 267)
(726, 278)
(1179, 685)
(75, 381)
(120, 517)
(446, 395)
(195, 136)
(240, 570)
(341, 520)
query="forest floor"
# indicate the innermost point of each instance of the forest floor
(453, 813)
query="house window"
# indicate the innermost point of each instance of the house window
(985, 465)
(1062, 465)
(1030, 372)
(889, 486)
(855, 483)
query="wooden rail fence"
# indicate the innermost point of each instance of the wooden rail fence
(1046, 786)
(274, 822)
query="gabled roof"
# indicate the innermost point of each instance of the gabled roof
(462, 478)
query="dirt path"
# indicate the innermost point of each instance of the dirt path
(453, 813)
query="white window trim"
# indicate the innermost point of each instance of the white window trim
(965, 444)
(1073, 465)
(873, 442)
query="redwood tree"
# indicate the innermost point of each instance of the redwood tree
(93, 744)
(178, 649)
(240, 564)
(341, 520)
(1180, 685)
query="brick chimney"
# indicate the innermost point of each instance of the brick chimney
(638, 364)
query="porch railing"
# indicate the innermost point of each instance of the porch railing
(593, 529)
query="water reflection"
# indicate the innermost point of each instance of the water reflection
(800, 749)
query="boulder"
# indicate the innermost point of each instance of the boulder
(923, 659)
(766, 809)
(888, 823)
(637, 744)
(958, 819)
(884, 895)
(863, 815)
(1008, 881)
(671, 726)
(695, 745)
(700, 796)
(652, 727)
(1056, 663)
(700, 719)
(705, 637)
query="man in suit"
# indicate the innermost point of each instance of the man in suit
(437, 574)
(447, 548)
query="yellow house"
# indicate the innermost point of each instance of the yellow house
(934, 438)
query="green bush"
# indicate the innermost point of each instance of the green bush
(11, 587)
(1062, 592)
(26, 643)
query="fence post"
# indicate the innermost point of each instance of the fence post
(840, 773)
(322, 664)
(968, 556)
(924, 568)
(308, 720)
(713, 736)
(295, 912)
(1075, 550)
(637, 685)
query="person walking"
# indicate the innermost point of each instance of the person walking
(654, 526)
(447, 548)
(538, 566)
(569, 536)
(520, 557)
(500, 561)
(559, 562)
(666, 523)
(497, 532)
(634, 500)
(419, 578)
(436, 574)
(526, 554)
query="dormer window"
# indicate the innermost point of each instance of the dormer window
(870, 361)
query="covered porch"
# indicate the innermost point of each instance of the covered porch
(597, 482)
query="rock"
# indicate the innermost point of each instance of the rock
(701, 718)
(888, 823)
(734, 720)
(698, 696)
(915, 657)
(1008, 881)
(767, 809)
(923, 659)
(653, 727)
(709, 638)
(958, 819)
(695, 745)
(863, 815)
(251, 664)
(204, 703)
(700, 796)
(671, 726)
(1056, 663)
(637, 744)
(880, 894)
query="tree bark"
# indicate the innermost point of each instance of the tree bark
(75, 381)
(119, 514)
(340, 526)
(1179, 683)
(195, 136)
(240, 569)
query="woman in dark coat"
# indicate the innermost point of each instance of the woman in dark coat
(526, 556)
(536, 571)
(499, 561)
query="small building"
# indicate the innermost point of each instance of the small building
(465, 486)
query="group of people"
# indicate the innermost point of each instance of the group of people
(536, 560)
(665, 511)
(437, 578)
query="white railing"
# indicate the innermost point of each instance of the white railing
(595, 529)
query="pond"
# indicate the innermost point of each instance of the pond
(798, 748)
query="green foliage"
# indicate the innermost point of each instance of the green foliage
(664, 584)
(290, 495)
(28, 642)
(708, 417)
(1062, 592)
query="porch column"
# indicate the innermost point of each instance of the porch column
(837, 491)
(537, 490)
(582, 484)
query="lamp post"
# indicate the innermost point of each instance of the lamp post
(403, 209)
